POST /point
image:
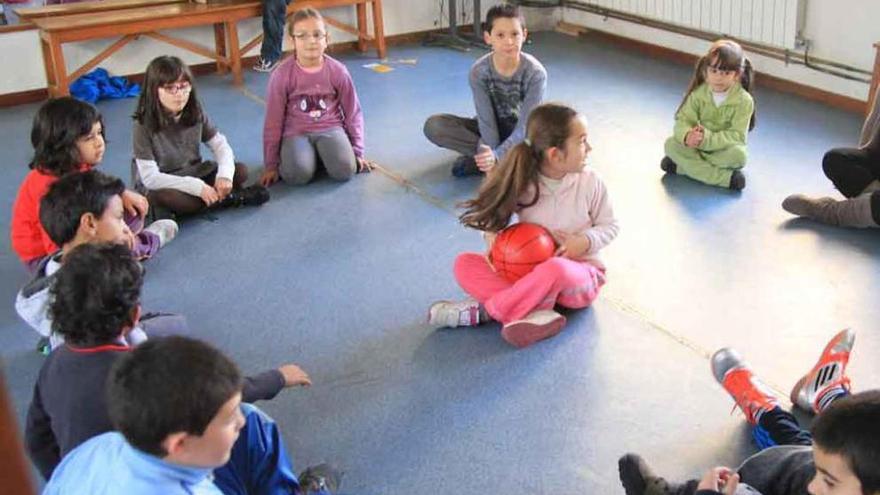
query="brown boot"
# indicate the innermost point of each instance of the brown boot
(854, 212)
(639, 479)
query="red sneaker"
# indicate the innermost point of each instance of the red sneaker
(752, 396)
(828, 374)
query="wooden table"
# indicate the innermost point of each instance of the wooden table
(137, 19)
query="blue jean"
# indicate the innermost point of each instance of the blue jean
(274, 15)
(259, 464)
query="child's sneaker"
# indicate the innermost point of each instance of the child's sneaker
(638, 478)
(451, 314)
(322, 478)
(537, 325)
(827, 380)
(264, 65)
(248, 196)
(734, 375)
(465, 166)
(668, 166)
(737, 181)
(166, 230)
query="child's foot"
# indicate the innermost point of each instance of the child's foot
(322, 478)
(827, 380)
(737, 181)
(734, 375)
(639, 479)
(264, 65)
(452, 314)
(166, 230)
(248, 196)
(537, 325)
(668, 166)
(465, 166)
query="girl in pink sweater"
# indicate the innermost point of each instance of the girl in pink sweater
(541, 180)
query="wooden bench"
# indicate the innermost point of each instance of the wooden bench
(113, 19)
(27, 14)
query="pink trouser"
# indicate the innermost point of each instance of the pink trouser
(569, 283)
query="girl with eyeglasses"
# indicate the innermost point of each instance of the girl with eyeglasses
(714, 119)
(169, 126)
(312, 111)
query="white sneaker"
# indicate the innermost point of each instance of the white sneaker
(454, 314)
(537, 325)
(165, 229)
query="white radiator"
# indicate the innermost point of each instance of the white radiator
(768, 22)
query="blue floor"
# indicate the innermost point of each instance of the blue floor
(338, 278)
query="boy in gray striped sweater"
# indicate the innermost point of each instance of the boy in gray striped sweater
(506, 84)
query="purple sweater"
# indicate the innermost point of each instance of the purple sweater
(299, 102)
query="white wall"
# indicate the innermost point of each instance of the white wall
(841, 30)
(21, 58)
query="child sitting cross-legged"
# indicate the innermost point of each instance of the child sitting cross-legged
(95, 304)
(840, 457)
(82, 208)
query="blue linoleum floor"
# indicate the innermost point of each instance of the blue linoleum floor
(338, 278)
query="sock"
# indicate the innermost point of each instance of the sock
(830, 396)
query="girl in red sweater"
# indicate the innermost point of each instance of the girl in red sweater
(68, 137)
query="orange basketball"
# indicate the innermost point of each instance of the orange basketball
(519, 248)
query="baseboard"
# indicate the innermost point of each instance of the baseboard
(41, 94)
(766, 80)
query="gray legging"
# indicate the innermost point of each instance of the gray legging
(300, 154)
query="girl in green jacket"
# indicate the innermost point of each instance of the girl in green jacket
(711, 124)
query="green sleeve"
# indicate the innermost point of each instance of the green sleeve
(686, 118)
(735, 134)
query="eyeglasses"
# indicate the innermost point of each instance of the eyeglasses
(317, 36)
(181, 87)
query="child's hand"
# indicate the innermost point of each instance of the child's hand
(485, 158)
(571, 246)
(209, 195)
(720, 479)
(365, 166)
(268, 178)
(694, 137)
(294, 376)
(135, 204)
(223, 187)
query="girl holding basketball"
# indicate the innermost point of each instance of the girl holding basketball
(542, 180)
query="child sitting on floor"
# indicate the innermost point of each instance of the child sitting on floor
(68, 137)
(714, 119)
(506, 85)
(312, 111)
(81, 208)
(170, 125)
(841, 457)
(96, 303)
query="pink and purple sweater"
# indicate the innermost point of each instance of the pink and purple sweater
(300, 102)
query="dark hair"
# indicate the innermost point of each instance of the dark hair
(548, 126)
(95, 294)
(150, 113)
(71, 197)
(503, 10)
(726, 55)
(57, 126)
(850, 427)
(301, 15)
(169, 385)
